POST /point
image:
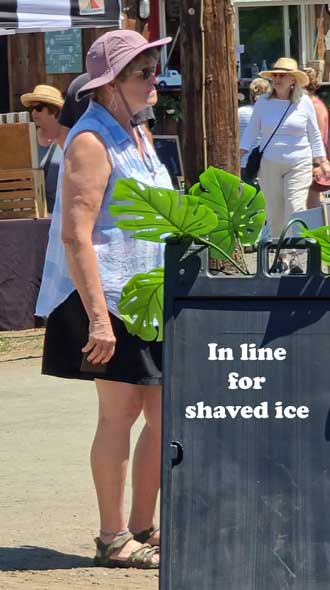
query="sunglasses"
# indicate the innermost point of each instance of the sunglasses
(146, 73)
(274, 75)
(37, 107)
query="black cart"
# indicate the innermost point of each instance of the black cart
(246, 427)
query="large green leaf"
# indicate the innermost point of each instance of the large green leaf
(141, 305)
(154, 213)
(239, 207)
(322, 236)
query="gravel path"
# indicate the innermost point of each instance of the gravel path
(48, 509)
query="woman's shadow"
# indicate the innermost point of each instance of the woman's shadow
(29, 557)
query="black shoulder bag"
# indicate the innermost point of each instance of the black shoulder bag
(254, 159)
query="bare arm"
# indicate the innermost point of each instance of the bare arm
(313, 131)
(86, 174)
(322, 118)
(321, 165)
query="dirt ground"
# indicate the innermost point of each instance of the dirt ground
(48, 509)
(21, 344)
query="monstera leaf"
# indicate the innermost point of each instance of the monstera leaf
(153, 214)
(220, 207)
(141, 305)
(322, 236)
(239, 207)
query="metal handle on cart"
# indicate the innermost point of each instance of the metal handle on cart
(313, 248)
(176, 453)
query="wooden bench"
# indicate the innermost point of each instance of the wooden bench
(22, 194)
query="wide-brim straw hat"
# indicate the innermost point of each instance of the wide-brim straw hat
(287, 65)
(44, 94)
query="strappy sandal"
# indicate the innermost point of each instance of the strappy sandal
(144, 536)
(140, 558)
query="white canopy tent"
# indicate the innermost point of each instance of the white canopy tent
(19, 16)
(252, 3)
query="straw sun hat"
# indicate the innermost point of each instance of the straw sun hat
(45, 94)
(287, 65)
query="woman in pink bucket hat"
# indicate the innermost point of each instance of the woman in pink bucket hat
(88, 262)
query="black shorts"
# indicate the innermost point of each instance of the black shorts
(135, 361)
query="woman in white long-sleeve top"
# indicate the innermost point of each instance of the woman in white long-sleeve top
(296, 150)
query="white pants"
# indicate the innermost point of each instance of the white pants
(285, 188)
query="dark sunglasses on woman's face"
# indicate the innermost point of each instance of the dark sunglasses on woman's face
(281, 75)
(37, 107)
(146, 73)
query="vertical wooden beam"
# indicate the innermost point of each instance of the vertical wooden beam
(26, 65)
(153, 23)
(209, 93)
(10, 61)
(191, 68)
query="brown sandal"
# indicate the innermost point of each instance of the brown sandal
(144, 536)
(140, 558)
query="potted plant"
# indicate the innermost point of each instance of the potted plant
(168, 113)
(219, 213)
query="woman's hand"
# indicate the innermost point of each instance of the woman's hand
(317, 172)
(101, 342)
(325, 169)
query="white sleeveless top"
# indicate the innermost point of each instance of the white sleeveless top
(119, 256)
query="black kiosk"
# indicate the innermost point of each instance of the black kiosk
(246, 427)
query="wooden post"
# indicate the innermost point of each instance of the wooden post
(209, 92)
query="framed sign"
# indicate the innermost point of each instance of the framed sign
(63, 52)
(91, 7)
(168, 151)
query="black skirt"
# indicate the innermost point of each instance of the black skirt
(135, 361)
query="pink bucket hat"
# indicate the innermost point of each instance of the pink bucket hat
(109, 54)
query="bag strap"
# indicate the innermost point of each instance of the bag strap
(276, 128)
(46, 160)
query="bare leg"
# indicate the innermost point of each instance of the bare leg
(119, 406)
(146, 464)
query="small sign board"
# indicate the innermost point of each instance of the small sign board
(63, 51)
(168, 151)
(91, 6)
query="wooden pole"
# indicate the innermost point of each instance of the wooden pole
(209, 92)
